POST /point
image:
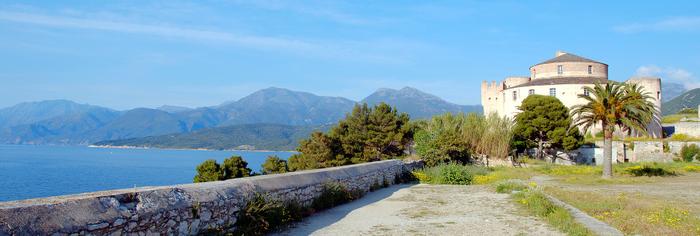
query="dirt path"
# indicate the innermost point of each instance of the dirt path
(425, 210)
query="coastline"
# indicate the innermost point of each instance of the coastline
(188, 149)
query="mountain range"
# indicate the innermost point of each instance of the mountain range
(67, 122)
(689, 99)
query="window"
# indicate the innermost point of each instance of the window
(658, 95)
(531, 92)
(560, 69)
(553, 92)
(515, 95)
(585, 92)
(590, 69)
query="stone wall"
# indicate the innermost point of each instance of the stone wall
(637, 151)
(181, 209)
(691, 128)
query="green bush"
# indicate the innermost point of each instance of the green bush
(333, 194)
(235, 167)
(209, 170)
(450, 174)
(648, 170)
(690, 152)
(262, 215)
(274, 165)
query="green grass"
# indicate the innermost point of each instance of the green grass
(676, 118)
(537, 203)
(632, 214)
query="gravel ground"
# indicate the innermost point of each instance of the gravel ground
(425, 210)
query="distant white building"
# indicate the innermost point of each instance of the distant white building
(565, 76)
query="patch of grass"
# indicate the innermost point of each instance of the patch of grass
(675, 118)
(503, 173)
(632, 214)
(562, 170)
(508, 186)
(683, 138)
(450, 174)
(538, 204)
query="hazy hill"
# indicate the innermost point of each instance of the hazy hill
(30, 112)
(66, 122)
(283, 106)
(251, 136)
(671, 91)
(416, 103)
(173, 109)
(689, 99)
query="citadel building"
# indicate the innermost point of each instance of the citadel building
(565, 76)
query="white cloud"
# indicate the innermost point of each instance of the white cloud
(669, 24)
(669, 73)
(381, 51)
(320, 10)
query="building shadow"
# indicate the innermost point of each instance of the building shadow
(326, 218)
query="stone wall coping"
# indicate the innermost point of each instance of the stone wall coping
(203, 191)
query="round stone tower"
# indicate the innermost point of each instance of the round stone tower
(568, 65)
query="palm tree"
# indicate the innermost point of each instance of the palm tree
(613, 105)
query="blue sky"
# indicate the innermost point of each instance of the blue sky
(130, 54)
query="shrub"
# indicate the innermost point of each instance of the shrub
(647, 170)
(690, 168)
(209, 170)
(235, 167)
(683, 137)
(690, 152)
(333, 194)
(450, 174)
(274, 165)
(261, 215)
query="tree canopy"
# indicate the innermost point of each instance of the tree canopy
(233, 167)
(614, 104)
(366, 134)
(544, 122)
(274, 165)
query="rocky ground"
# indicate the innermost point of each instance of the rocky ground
(425, 210)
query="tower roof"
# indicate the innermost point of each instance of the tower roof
(567, 57)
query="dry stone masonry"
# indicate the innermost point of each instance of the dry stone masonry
(182, 209)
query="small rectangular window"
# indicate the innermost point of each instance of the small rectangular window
(515, 95)
(531, 92)
(560, 69)
(585, 92)
(590, 69)
(553, 92)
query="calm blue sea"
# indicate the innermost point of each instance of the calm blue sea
(42, 171)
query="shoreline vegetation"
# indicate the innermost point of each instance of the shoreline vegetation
(186, 149)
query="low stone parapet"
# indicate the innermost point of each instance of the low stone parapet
(181, 209)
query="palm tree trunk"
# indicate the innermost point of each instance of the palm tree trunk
(607, 152)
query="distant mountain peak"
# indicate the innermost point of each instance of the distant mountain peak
(173, 109)
(416, 103)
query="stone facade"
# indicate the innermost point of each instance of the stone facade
(182, 209)
(565, 77)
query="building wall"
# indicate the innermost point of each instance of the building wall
(653, 87)
(188, 209)
(570, 69)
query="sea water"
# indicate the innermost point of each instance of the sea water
(28, 171)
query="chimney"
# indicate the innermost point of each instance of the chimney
(559, 53)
